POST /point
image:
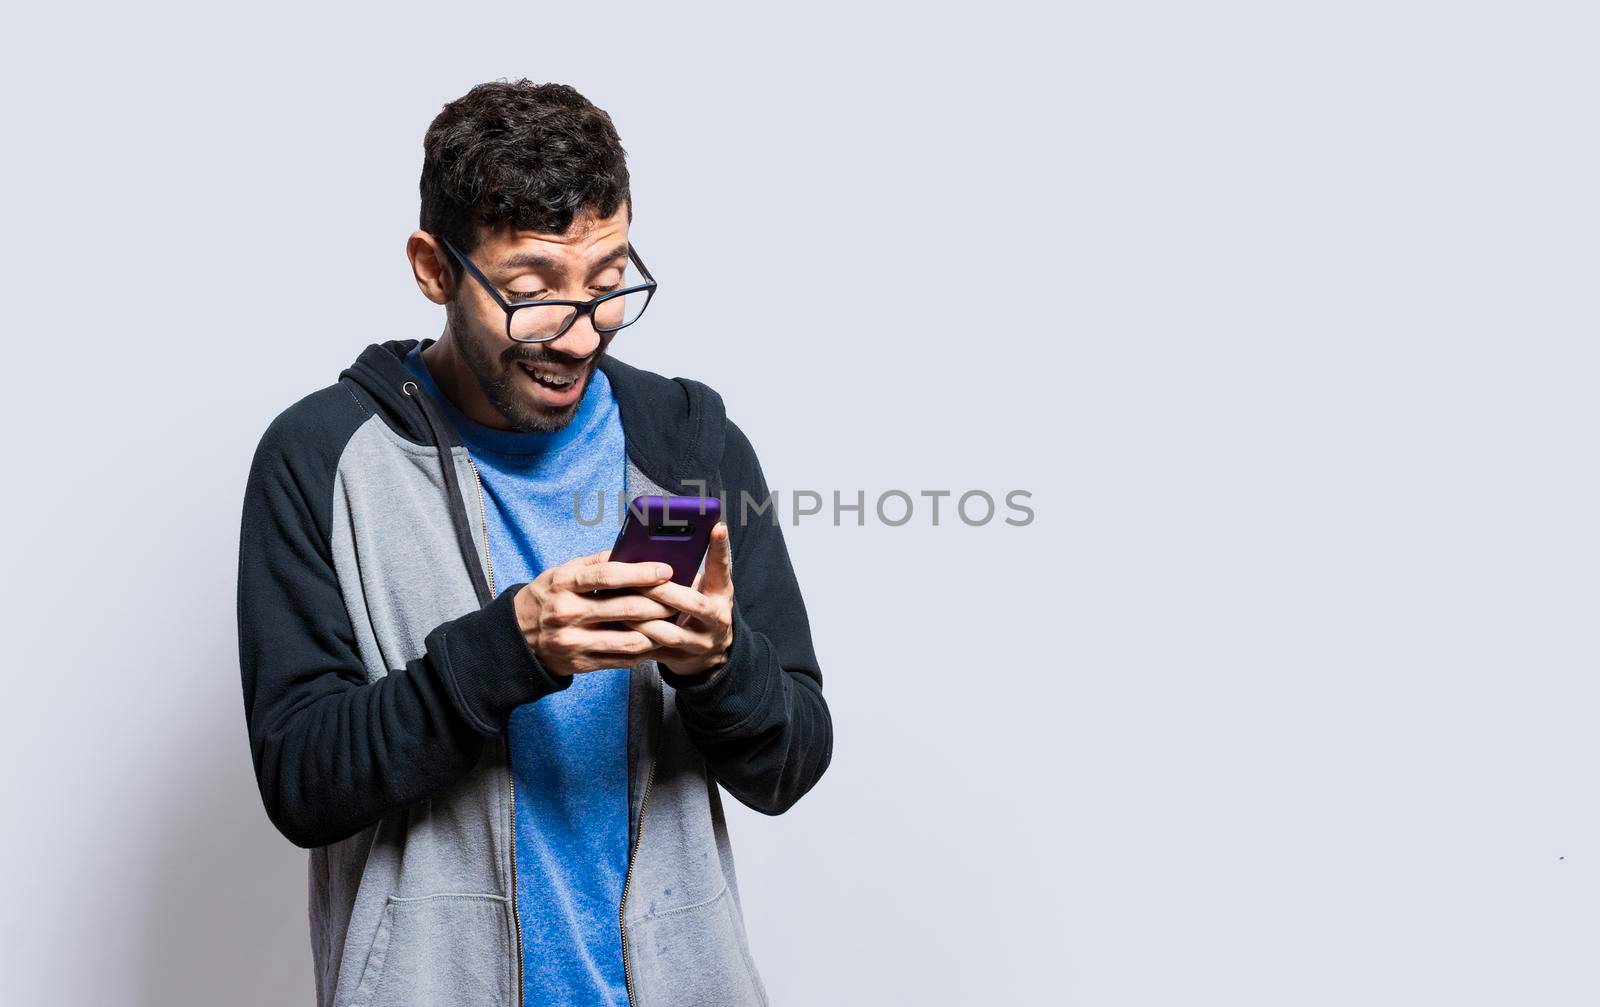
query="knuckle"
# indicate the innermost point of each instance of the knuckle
(562, 641)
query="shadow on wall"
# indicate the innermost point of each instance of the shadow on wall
(226, 921)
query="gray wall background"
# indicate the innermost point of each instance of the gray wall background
(1285, 314)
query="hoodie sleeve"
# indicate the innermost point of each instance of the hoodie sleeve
(761, 723)
(333, 751)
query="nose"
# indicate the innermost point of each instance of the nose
(578, 341)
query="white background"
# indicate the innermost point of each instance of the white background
(1284, 314)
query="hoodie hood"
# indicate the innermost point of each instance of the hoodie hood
(674, 427)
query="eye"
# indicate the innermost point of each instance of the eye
(526, 295)
(601, 287)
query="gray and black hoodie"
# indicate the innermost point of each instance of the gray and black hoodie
(380, 663)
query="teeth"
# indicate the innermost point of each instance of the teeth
(549, 378)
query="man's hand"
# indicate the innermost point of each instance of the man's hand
(697, 635)
(565, 625)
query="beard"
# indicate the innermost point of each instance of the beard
(502, 385)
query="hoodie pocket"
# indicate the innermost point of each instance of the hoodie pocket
(439, 949)
(696, 954)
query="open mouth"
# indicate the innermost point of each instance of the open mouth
(553, 387)
(550, 378)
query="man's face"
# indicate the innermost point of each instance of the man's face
(538, 386)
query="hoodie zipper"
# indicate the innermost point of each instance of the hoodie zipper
(483, 517)
(511, 776)
(633, 855)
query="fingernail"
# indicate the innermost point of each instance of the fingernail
(663, 571)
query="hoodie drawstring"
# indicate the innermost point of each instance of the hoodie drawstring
(452, 483)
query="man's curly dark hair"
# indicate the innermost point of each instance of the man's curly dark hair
(519, 154)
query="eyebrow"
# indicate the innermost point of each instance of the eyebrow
(533, 260)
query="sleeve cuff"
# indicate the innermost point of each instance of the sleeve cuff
(488, 665)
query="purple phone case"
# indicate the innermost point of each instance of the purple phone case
(671, 530)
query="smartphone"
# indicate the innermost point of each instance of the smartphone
(671, 530)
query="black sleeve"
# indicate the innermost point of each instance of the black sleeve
(761, 722)
(333, 752)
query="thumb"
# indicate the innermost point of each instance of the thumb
(719, 562)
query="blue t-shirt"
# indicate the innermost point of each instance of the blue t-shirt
(569, 749)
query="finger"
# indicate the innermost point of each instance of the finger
(607, 644)
(627, 607)
(573, 564)
(694, 603)
(599, 576)
(671, 636)
(719, 562)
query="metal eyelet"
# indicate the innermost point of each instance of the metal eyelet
(408, 386)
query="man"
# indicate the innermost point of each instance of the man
(508, 783)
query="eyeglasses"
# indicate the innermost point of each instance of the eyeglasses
(542, 321)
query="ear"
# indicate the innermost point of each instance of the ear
(430, 265)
